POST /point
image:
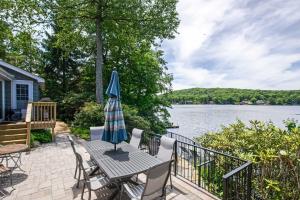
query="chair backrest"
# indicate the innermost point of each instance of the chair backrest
(80, 162)
(166, 148)
(157, 178)
(153, 145)
(136, 137)
(72, 143)
(96, 132)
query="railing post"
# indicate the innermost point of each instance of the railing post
(195, 156)
(54, 123)
(28, 125)
(28, 122)
(249, 182)
(199, 175)
(176, 159)
(225, 189)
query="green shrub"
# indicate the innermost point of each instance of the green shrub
(42, 136)
(92, 114)
(275, 153)
(83, 133)
(133, 120)
(71, 104)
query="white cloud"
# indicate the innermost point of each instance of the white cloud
(236, 44)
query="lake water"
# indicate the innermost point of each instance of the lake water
(194, 120)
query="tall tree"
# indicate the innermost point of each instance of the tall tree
(145, 20)
(123, 34)
(5, 38)
(61, 67)
(17, 41)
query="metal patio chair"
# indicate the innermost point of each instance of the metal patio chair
(5, 171)
(91, 183)
(136, 137)
(87, 165)
(166, 150)
(155, 186)
(96, 132)
(153, 145)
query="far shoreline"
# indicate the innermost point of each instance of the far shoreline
(237, 104)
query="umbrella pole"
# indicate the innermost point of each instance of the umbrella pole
(115, 147)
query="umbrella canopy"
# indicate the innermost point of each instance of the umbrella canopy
(114, 125)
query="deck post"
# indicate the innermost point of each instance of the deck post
(53, 134)
(28, 123)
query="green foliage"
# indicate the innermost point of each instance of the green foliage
(92, 114)
(83, 133)
(291, 124)
(234, 96)
(133, 120)
(275, 153)
(130, 34)
(42, 135)
(71, 103)
(62, 67)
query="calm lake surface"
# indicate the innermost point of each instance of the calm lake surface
(194, 120)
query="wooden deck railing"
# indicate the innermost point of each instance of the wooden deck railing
(40, 115)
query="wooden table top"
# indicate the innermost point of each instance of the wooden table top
(12, 148)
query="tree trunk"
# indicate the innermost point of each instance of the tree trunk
(99, 63)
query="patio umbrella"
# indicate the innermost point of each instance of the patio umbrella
(114, 125)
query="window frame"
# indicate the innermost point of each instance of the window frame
(14, 91)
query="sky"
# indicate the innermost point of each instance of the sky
(236, 44)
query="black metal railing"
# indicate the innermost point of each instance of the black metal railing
(222, 175)
(232, 180)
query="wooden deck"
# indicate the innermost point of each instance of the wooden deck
(39, 115)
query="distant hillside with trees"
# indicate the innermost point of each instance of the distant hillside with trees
(234, 96)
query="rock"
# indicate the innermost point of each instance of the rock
(36, 144)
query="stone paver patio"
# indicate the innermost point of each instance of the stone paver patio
(49, 175)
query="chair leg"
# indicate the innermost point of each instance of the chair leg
(90, 195)
(78, 178)
(76, 170)
(82, 190)
(171, 182)
(121, 192)
(10, 178)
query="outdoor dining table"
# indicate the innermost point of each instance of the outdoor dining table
(123, 163)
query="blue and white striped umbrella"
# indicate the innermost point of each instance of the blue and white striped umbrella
(114, 125)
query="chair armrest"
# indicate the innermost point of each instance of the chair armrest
(98, 179)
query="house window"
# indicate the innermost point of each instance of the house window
(22, 92)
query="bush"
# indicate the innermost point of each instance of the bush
(275, 153)
(133, 120)
(42, 136)
(71, 104)
(83, 133)
(92, 114)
